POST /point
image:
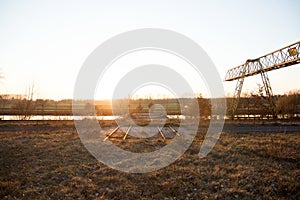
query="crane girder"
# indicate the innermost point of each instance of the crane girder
(280, 58)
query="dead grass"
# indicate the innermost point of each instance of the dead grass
(48, 161)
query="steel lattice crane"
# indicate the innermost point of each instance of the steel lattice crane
(280, 58)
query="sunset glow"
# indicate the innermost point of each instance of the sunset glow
(45, 44)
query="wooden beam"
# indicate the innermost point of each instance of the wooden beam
(127, 132)
(111, 133)
(173, 130)
(161, 133)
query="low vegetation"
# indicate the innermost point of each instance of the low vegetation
(46, 160)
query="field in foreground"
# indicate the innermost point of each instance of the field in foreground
(47, 160)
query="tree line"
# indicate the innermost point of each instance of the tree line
(250, 106)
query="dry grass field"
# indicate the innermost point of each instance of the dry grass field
(46, 160)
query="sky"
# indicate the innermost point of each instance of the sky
(45, 43)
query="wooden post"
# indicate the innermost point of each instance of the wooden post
(161, 133)
(111, 133)
(173, 130)
(127, 132)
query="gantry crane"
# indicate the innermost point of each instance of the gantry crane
(280, 58)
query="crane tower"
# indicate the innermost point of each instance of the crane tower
(280, 58)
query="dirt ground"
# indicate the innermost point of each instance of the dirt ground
(46, 160)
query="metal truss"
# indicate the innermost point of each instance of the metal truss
(236, 96)
(283, 57)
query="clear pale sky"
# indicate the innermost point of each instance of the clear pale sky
(46, 42)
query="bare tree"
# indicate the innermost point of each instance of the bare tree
(260, 101)
(25, 104)
(288, 104)
(204, 107)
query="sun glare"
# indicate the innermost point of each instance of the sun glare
(131, 61)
